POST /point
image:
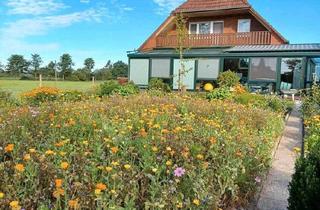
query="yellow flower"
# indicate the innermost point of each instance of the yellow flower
(49, 152)
(168, 149)
(127, 166)
(108, 169)
(179, 205)
(9, 148)
(58, 192)
(114, 163)
(1, 195)
(113, 191)
(27, 157)
(73, 204)
(196, 202)
(58, 183)
(154, 170)
(32, 150)
(19, 167)
(200, 157)
(64, 165)
(101, 186)
(97, 191)
(15, 205)
(154, 149)
(297, 149)
(169, 163)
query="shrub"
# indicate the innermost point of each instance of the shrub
(305, 185)
(219, 93)
(228, 79)
(6, 99)
(27, 77)
(311, 102)
(108, 87)
(126, 90)
(71, 96)
(41, 95)
(158, 84)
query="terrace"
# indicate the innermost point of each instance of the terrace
(208, 40)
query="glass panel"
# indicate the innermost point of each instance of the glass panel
(291, 74)
(188, 78)
(139, 71)
(244, 25)
(238, 65)
(204, 28)
(193, 28)
(208, 68)
(160, 68)
(264, 69)
(217, 27)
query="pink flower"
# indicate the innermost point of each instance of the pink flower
(257, 179)
(179, 172)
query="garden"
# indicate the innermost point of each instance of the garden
(116, 147)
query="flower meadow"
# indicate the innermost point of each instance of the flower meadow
(174, 151)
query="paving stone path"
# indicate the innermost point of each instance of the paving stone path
(275, 193)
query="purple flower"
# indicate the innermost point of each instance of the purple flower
(179, 172)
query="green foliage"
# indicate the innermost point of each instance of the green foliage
(17, 65)
(35, 63)
(273, 103)
(126, 90)
(108, 87)
(65, 65)
(311, 102)
(89, 64)
(219, 94)
(305, 185)
(6, 99)
(228, 79)
(71, 96)
(158, 84)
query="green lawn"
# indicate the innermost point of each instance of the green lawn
(19, 86)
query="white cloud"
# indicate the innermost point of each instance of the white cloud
(166, 6)
(85, 1)
(33, 7)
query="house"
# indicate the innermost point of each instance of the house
(224, 35)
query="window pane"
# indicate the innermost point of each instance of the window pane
(188, 78)
(204, 28)
(263, 69)
(139, 71)
(193, 28)
(160, 68)
(291, 73)
(217, 27)
(208, 68)
(244, 26)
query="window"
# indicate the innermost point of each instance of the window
(215, 27)
(291, 73)
(188, 77)
(139, 71)
(239, 66)
(160, 68)
(244, 25)
(208, 69)
(263, 69)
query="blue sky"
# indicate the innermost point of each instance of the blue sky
(106, 29)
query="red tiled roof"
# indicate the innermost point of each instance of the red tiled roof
(205, 5)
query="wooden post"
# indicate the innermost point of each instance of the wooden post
(40, 80)
(93, 80)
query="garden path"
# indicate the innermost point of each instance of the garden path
(275, 192)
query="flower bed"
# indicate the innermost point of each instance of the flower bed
(138, 152)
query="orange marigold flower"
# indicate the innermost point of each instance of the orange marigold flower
(58, 192)
(27, 157)
(49, 152)
(19, 167)
(64, 165)
(9, 148)
(73, 204)
(143, 132)
(58, 183)
(101, 186)
(114, 150)
(32, 150)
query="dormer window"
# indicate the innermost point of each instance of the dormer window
(209, 27)
(244, 25)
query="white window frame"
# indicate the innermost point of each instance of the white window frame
(239, 20)
(211, 25)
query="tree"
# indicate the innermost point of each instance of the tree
(65, 65)
(89, 64)
(49, 70)
(17, 65)
(35, 63)
(119, 69)
(182, 35)
(1, 68)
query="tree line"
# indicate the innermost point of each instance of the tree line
(18, 66)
